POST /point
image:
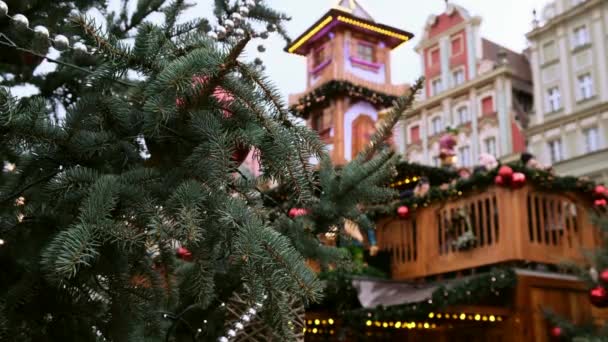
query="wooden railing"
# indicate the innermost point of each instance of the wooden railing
(508, 225)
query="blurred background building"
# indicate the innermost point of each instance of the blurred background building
(569, 60)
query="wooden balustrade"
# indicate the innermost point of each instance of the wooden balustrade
(508, 225)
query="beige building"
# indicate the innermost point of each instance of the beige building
(569, 61)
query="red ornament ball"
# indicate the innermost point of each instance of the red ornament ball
(498, 180)
(506, 172)
(600, 203)
(604, 276)
(600, 191)
(518, 180)
(598, 296)
(403, 211)
(184, 254)
(297, 212)
(556, 332)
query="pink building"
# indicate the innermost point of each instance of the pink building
(472, 84)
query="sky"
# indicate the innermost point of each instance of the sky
(504, 22)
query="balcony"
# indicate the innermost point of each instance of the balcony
(509, 226)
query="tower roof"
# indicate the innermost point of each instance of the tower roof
(348, 13)
(354, 8)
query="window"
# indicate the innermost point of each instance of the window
(458, 77)
(436, 86)
(462, 115)
(320, 55)
(580, 37)
(436, 126)
(555, 151)
(464, 156)
(549, 51)
(414, 134)
(434, 57)
(490, 146)
(553, 100)
(592, 139)
(487, 105)
(456, 46)
(365, 52)
(585, 87)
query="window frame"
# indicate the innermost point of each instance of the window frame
(465, 151)
(459, 71)
(436, 128)
(583, 87)
(588, 147)
(435, 91)
(576, 43)
(486, 144)
(459, 111)
(361, 45)
(553, 98)
(457, 37)
(553, 156)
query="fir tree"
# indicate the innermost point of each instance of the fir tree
(94, 207)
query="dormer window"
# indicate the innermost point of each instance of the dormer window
(365, 52)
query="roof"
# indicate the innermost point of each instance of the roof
(517, 61)
(357, 19)
(354, 8)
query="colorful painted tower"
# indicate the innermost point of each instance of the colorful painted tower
(348, 76)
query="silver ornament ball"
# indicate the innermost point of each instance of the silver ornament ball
(212, 35)
(250, 3)
(271, 28)
(80, 47)
(244, 10)
(20, 21)
(239, 32)
(61, 42)
(229, 24)
(3, 9)
(236, 17)
(42, 31)
(261, 48)
(264, 35)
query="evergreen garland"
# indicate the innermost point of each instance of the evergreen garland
(321, 96)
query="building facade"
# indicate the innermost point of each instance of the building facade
(348, 77)
(569, 60)
(472, 84)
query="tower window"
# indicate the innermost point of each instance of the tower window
(320, 56)
(365, 52)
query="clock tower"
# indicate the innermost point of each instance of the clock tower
(348, 76)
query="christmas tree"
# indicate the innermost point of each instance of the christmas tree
(130, 220)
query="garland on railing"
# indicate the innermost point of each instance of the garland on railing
(321, 96)
(492, 286)
(543, 180)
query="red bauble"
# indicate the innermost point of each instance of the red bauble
(604, 276)
(221, 95)
(556, 332)
(599, 191)
(518, 180)
(184, 254)
(498, 180)
(403, 211)
(600, 203)
(297, 212)
(598, 296)
(505, 172)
